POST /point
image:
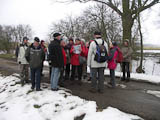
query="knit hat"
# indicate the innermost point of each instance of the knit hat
(56, 35)
(25, 38)
(36, 39)
(114, 43)
(97, 33)
(126, 40)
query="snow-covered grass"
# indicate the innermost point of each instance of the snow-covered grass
(20, 103)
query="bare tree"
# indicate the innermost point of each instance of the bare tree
(128, 10)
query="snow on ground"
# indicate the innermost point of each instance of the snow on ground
(155, 93)
(20, 103)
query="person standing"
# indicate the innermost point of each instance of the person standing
(68, 65)
(61, 78)
(35, 56)
(45, 51)
(96, 67)
(76, 51)
(127, 53)
(57, 62)
(112, 64)
(24, 65)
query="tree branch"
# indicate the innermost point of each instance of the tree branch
(142, 8)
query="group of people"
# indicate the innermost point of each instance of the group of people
(70, 60)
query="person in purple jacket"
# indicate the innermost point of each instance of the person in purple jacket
(112, 64)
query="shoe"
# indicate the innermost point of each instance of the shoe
(127, 80)
(32, 88)
(101, 91)
(84, 76)
(92, 90)
(89, 79)
(38, 89)
(61, 84)
(54, 89)
(122, 79)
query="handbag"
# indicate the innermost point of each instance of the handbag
(82, 60)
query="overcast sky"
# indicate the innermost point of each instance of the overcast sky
(41, 13)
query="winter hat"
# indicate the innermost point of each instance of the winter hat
(126, 40)
(78, 39)
(97, 33)
(70, 39)
(42, 41)
(36, 39)
(56, 35)
(25, 38)
(114, 43)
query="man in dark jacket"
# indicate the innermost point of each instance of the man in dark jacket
(57, 62)
(35, 56)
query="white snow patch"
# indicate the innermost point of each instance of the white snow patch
(155, 93)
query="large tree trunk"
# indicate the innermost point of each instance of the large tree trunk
(127, 21)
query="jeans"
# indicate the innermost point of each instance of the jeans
(100, 78)
(125, 68)
(112, 75)
(36, 77)
(55, 77)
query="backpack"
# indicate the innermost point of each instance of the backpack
(101, 55)
(119, 58)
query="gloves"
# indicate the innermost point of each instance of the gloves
(19, 62)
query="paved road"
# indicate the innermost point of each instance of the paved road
(131, 99)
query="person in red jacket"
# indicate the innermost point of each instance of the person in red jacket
(76, 50)
(112, 64)
(61, 78)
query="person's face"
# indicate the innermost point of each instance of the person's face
(97, 36)
(36, 44)
(25, 41)
(58, 37)
(110, 45)
(63, 44)
(42, 43)
(70, 42)
(78, 42)
(126, 43)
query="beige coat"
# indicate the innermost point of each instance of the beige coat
(127, 53)
(21, 55)
(91, 55)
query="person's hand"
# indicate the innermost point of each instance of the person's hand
(19, 62)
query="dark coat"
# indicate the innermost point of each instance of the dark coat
(35, 56)
(55, 54)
